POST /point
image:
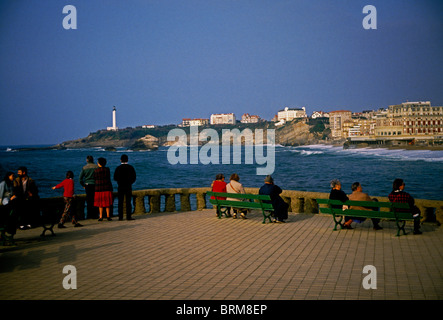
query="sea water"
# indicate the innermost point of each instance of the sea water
(304, 168)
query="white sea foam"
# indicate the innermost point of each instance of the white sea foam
(391, 154)
(307, 152)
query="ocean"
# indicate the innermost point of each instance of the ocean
(304, 168)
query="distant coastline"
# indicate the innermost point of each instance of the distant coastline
(294, 133)
(393, 147)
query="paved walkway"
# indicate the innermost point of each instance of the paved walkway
(195, 256)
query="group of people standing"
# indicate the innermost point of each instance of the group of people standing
(96, 180)
(20, 195)
(19, 199)
(397, 195)
(280, 213)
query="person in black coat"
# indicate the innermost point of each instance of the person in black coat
(125, 176)
(26, 201)
(338, 194)
(280, 206)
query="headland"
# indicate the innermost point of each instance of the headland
(293, 133)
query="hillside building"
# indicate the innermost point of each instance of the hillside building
(337, 121)
(222, 118)
(194, 122)
(247, 118)
(289, 114)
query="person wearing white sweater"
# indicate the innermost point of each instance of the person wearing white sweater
(234, 186)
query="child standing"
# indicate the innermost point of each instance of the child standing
(68, 196)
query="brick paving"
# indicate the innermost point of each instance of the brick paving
(195, 256)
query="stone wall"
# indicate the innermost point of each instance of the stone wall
(151, 201)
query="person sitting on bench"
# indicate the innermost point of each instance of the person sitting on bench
(398, 195)
(280, 206)
(358, 195)
(338, 194)
(234, 186)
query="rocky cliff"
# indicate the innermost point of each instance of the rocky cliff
(297, 134)
(293, 133)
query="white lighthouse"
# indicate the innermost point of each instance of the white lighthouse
(114, 120)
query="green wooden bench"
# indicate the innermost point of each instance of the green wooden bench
(257, 202)
(381, 210)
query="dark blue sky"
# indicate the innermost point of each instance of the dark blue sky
(161, 61)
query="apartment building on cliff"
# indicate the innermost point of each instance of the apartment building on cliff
(338, 121)
(223, 118)
(289, 114)
(247, 118)
(186, 122)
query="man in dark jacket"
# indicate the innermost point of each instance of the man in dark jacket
(125, 176)
(87, 181)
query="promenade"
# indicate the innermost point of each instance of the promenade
(195, 256)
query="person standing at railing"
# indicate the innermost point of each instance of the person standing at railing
(125, 176)
(103, 198)
(87, 181)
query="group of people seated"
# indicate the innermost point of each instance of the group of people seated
(397, 195)
(280, 213)
(281, 207)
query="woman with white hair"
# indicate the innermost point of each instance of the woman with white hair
(234, 186)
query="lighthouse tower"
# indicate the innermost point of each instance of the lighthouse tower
(114, 120)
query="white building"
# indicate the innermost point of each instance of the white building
(223, 118)
(289, 114)
(114, 121)
(319, 114)
(198, 122)
(186, 122)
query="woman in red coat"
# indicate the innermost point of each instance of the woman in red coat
(219, 185)
(103, 189)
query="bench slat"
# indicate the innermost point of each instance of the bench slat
(372, 204)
